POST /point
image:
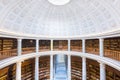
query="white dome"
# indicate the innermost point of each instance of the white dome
(76, 18)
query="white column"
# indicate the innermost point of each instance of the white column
(37, 46)
(102, 65)
(83, 61)
(69, 45)
(69, 67)
(19, 47)
(83, 45)
(102, 71)
(37, 68)
(101, 45)
(51, 45)
(69, 62)
(37, 61)
(51, 67)
(51, 62)
(18, 64)
(18, 71)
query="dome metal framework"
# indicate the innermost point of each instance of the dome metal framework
(76, 18)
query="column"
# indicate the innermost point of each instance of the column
(69, 62)
(37, 61)
(102, 65)
(83, 61)
(51, 45)
(101, 45)
(37, 46)
(18, 70)
(18, 64)
(69, 45)
(102, 71)
(83, 45)
(19, 47)
(51, 67)
(69, 67)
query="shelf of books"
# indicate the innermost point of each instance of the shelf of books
(76, 68)
(112, 48)
(112, 74)
(44, 68)
(93, 70)
(61, 45)
(44, 45)
(28, 69)
(92, 46)
(8, 73)
(28, 46)
(76, 45)
(8, 48)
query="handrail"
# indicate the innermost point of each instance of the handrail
(113, 63)
(107, 53)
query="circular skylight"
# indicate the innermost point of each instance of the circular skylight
(59, 2)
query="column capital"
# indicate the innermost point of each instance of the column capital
(37, 39)
(19, 39)
(83, 39)
(101, 39)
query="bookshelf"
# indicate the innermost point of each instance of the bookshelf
(92, 46)
(76, 68)
(112, 48)
(8, 73)
(93, 70)
(44, 45)
(76, 45)
(28, 46)
(60, 45)
(112, 74)
(8, 47)
(28, 69)
(44, 68)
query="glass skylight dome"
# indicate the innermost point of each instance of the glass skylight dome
(59, 2)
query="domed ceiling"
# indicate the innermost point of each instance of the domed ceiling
(50, 18)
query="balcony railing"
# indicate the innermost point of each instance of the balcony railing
(112, 54)
(107, 53)
(28, 50)
(8, 53)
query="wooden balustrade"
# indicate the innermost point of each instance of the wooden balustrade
(92, 50)
(8, 53)
(28, 50)
(112, 54)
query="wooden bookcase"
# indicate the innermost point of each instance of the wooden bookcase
(112, 74)
(8, 47)
(28, 46)
(76, 45)
(112, 48)
(76, 68)
(28, 67)
(44, 68)
(93, 70)
(44, 45)
(60, 45)
(8, 73)
(92, 46)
